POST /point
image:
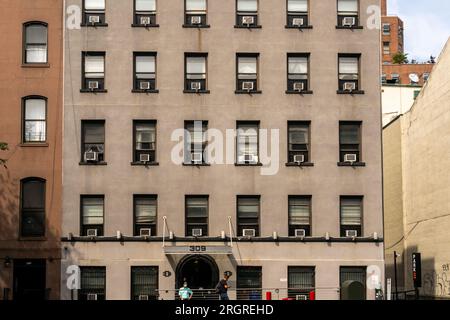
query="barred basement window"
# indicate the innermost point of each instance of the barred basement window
(32, 207)
(197, 216)
(92, 215)
(248, 215)
(358, 274)
(144, 283)
(35, 42)
(301, 282)
(93, 283)
(351, 216)
(249, 283)
(299, 216)
(145, 215)
(34, 120)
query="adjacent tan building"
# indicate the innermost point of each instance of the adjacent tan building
(417, 186)
(31, 125)
(140, 226)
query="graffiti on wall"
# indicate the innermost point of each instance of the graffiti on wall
(437, 283)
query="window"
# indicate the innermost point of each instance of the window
(196, 140)
(358, 274)
(247, 73)
(297, 13)
(92, 215)
(249, 283)
(144, 13)
(351, 216)
(34, 120)
(248, 212)
(349, 73)
(195, 73)
(426, 75)
(35, 48)
(301, 282)
(298, 72)
(350, 141)
(383, 78)
(299, 142)
(145, 215)
(299, 215)
(386, 29)
(195, 13)
(247, 13)
(94, 13)
(32, 207)
(93, 283)
(93, 71)
(144, 72)
(93, 141)
(348, 13)
(196, 216)
(247, 143)
(144, 142)
(395, 78)
(144, 283)
(386, 48)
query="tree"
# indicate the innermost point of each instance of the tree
(400, 58)
(3, 147)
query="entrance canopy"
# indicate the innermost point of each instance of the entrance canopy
(196, 249)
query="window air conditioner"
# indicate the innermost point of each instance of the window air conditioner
(145, 21)
(196, 20)
(350, 158)
(298, 22)
(92, 297)
(197, 157)
(299, 158)
(247, 86)
(299, 86)
(143, 297)
(144, 157)
(144, 85)
(94, 19)
(349, 86)
(145, 232)
(197, 232)
(300, 233)
(248, 20)
(249, 232)
(302, 297)
(196, 86)
(351, 233)
(90, 156)
(91, 232)
(93, 85)
(348, 21)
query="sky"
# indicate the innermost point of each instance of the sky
(427, 25)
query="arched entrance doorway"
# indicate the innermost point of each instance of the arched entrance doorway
(200, 272)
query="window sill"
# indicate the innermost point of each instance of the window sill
(33, 238)
(351, 93)
(299, 92)
(93, 91)
(299, 28)
(248, 92)
(200, 26)
(197, 91)
(196, 165)
(141, 164)
(34, 145)
(145, 26)
(144, 91)
(247, 27)
(350, 28)
(248, 164)
(304, 164)
(93, 25)
(93, 163)
(347, 164)
(35, 65)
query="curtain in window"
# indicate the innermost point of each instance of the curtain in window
(145, 5)
(197, 207)
(301, 278)
(94, 4)
(348, 5)
(351, 212)
(94, 66)
(248, 207)
(145, 136)
(36, 43)
(348, 65)
(145, 67)
(247, 65)
(145, 210)
(195, 5)
(299, 211)
(349, 134)
(298, 5)
(92, 211)
(196, 67)
(247, 5)
(298, 65)
(94, 133)
(144, 281)
(247, 137)
(35, 120)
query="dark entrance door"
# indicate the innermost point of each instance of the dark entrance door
(29, 279)
(200, 272)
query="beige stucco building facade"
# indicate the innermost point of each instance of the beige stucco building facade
(325, 250)
(417, 185)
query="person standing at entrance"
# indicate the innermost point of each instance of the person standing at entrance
(222, 287)
(185, 292)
